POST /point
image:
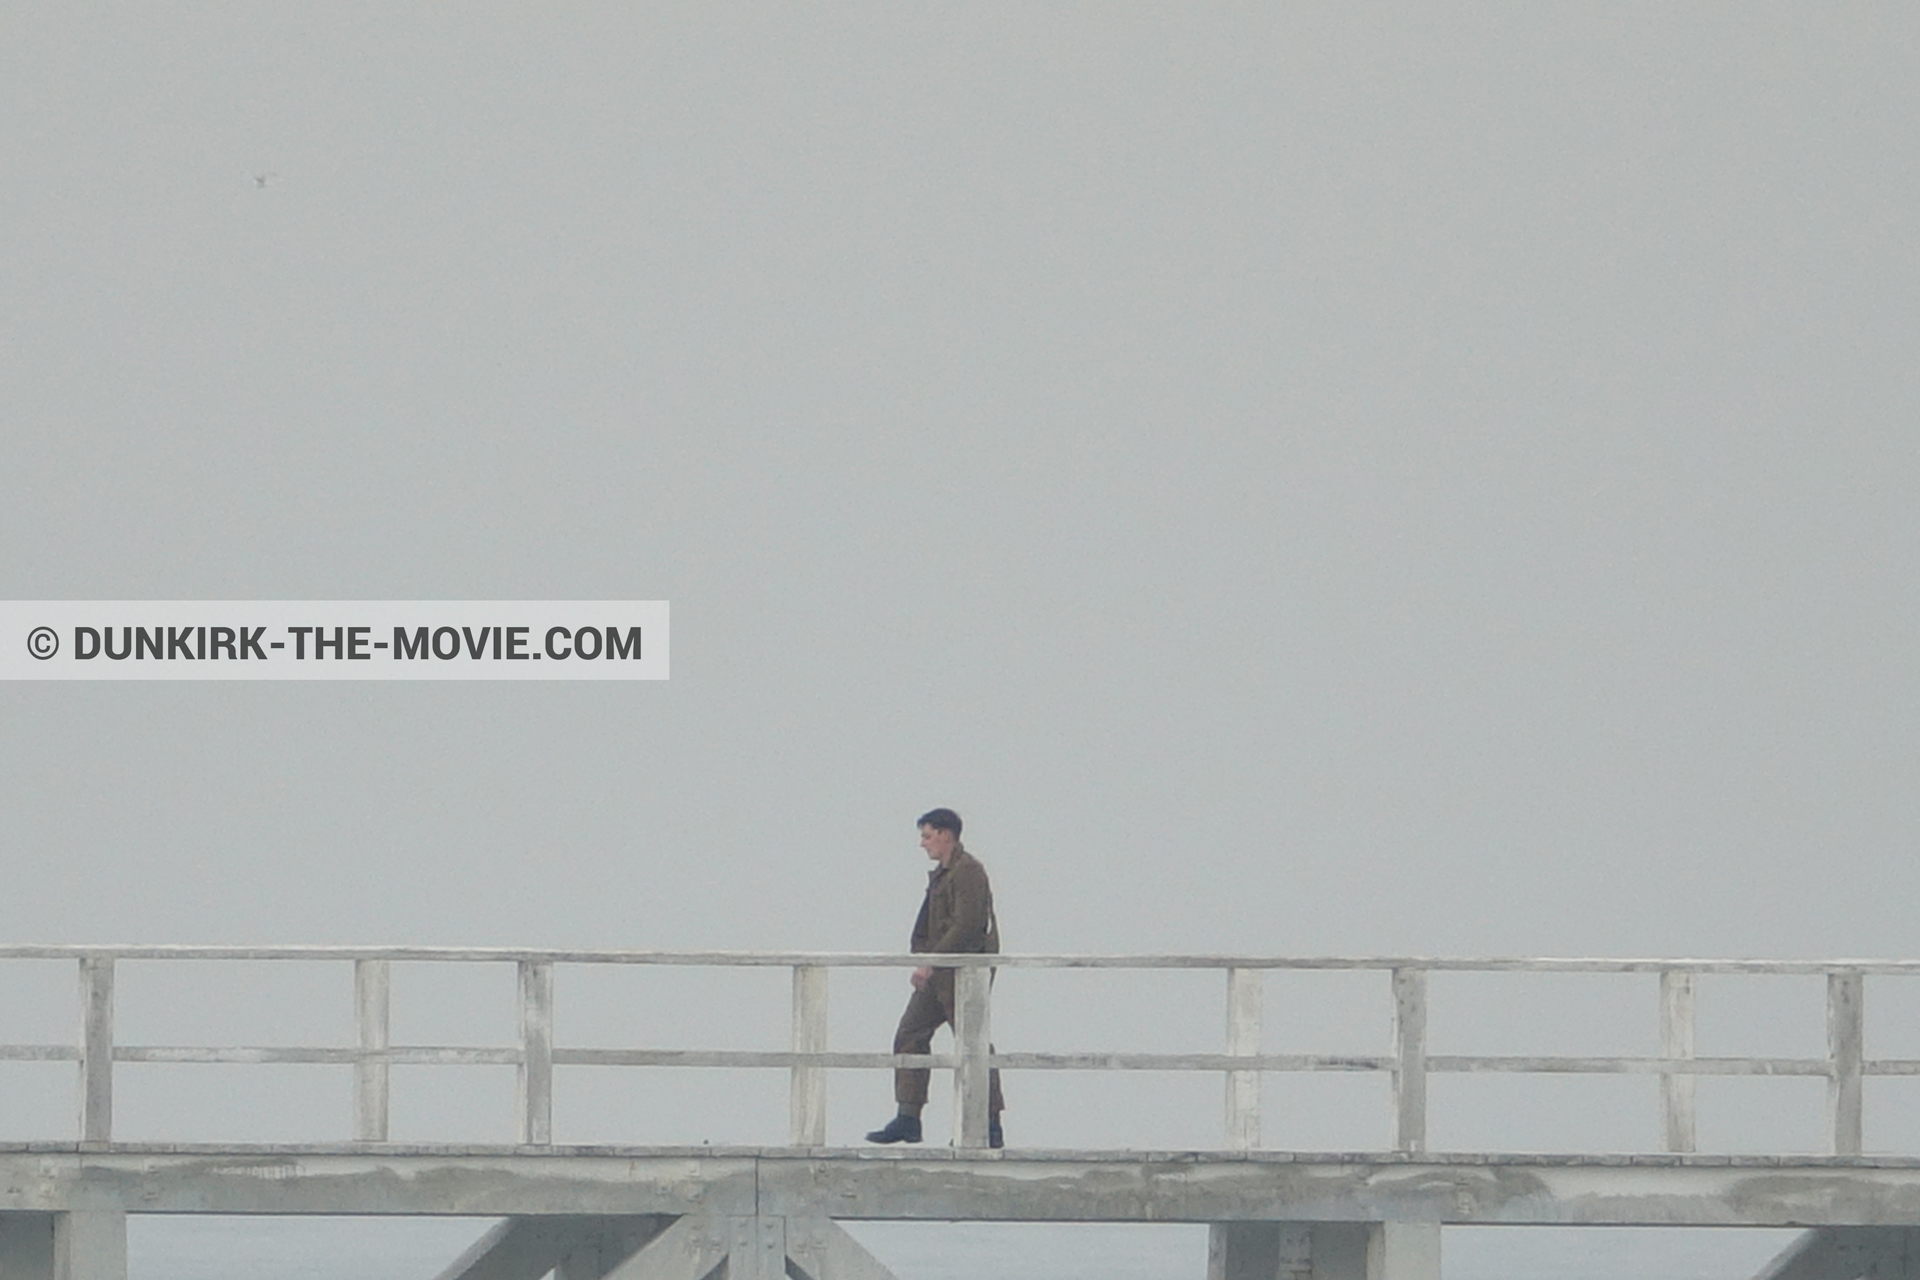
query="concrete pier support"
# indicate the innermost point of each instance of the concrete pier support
(600, 1253)
(1403, 1251)
(571, 1248)
(748, 1247)
(757, 1248)
(821, 1249)
(1323, 1251)
(90, 1244)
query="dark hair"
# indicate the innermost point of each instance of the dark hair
(940, 820)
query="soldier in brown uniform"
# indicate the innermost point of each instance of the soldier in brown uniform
(956, 918)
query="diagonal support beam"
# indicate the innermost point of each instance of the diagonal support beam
(600, 1251)
(821, 1249)
(693, 1248)
(749, 1247)
(580, 1247)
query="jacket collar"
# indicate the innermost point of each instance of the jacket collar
(959, 852)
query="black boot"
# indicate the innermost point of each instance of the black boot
(899, 1129)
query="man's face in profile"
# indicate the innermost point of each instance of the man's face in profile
(938, 844)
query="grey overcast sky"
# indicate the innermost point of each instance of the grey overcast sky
(1297, 478)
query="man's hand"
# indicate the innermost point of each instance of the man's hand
(922, 976)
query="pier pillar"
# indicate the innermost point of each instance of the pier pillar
(90, 1244)
(1323, 1251)
(758, 1248)
(1403, 1251)
(1287, 1251)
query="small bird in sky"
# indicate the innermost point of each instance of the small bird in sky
(261, 180)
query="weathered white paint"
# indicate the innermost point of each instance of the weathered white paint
(432, 1055)
(536, 1052)
(971, 1035)
(1676, 1042)
(807, 1101)
(1846, 1035)
(1410, 1059)
(907, 960)
(39, 1053)
(744, 1058)
(1246, 989)
(408, 1055)
(371, 1056)
(372, 987)
(96, 1049)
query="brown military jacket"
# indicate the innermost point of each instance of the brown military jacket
(956, 917)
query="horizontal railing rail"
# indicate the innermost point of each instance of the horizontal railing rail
(1409, 1064)
(902, 959)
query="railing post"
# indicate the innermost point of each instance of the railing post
(96, 1049)
(1245, 989)
(1676, 1044)
(807, 1094)
(372, 986)
(1410, 1059)
(971, 1036)
(1846, 1025)
(536, 1053)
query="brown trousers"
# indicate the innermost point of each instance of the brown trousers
(930, 1007)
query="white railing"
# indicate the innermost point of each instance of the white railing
(1409, 1064)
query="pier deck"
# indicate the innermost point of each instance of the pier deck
(954, 1185)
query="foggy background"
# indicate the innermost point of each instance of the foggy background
(1297, 479)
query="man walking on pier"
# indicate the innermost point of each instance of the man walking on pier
(956, 918)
